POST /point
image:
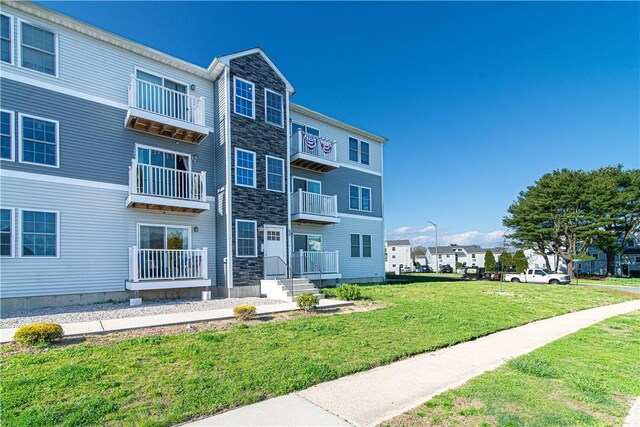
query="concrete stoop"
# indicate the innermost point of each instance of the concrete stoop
(283, 288)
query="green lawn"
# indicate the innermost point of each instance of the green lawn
(591, 377)
(169, 379)
(616, 281)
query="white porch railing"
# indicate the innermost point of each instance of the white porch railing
(167, 102)
(167, 182)
(314, 262)
(314, 203)
(167, 264)
(322, 148)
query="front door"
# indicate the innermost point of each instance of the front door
(275, 251)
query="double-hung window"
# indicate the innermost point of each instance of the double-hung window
(359, 198)
(244, 97)
(246, 239)
(361, 246)
(38, 140)
(6, 38)
(359, 151)
(39, 234)
(38, 49)
(355, 246)
(245, 168)
(306, 129)
(275, 174)
(6, 232)
(6, 135)
(273, 108)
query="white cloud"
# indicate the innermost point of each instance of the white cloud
(426, 237)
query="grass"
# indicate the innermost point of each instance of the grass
(614, 281)
(163, 380)
(591, 377)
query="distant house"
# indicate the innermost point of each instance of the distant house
(397, 255)
(469, 255)
(625, 263)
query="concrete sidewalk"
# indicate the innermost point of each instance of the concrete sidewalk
(126, 323)
(371, 397)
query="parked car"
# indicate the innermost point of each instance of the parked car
(424, 269)
(539, 275)
(446, 269)
(406, 269)
(473, 273)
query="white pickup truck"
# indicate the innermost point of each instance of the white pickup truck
(538, 275)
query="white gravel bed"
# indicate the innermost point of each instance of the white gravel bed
(103, 311)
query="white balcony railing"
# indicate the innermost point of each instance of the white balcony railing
(313, 203)
(159, 181)
(167, 264)
(314, 262)
(166, 102)
(316, 146)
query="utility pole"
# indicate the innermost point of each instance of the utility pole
(437, 260)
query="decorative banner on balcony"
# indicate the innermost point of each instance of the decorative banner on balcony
(310, 141)
(327, 146)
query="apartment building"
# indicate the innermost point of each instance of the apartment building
(125, 171)
(397, 256)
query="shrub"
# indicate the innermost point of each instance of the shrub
(349, 292)
(38, 333)
(307, 301)
(244, 312)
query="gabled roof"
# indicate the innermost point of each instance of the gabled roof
(398, 242)
(216, 66)
(296, 108)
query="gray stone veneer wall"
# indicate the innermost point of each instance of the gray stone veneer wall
(258, 204)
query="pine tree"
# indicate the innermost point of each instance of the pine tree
(520, 261)
(489, 262)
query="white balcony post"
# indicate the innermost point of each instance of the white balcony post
(132, 178)
(337, 261)
(205, 263)
(133, 264)
(203, 185)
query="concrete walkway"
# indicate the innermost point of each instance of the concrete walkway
(126, 323)
(371, 397)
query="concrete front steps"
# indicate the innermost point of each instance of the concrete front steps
(281, 288)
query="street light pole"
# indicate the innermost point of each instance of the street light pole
(437, 260)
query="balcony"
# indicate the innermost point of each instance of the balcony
(314, 208)
(313, 152)
(166, 189)
(165, 112)
(315, 265)
(167, 269)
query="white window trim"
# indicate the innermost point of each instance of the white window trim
(360, 142)
(305, 179)
(20, 116)
(359, 197)
(12, 44)
(266, 175)
(144, 224)
(13, 232)
(307, 235)
(235, 168)
(160, 76)
(281, 125)
(305, 127)
(370, 199)
(360, 209)
(359, 245)
(20, 237)
(12, 129)
(255, 243)
(56, 46)
(349, 137)
(178, 153)
(253, 100)
(370, 246)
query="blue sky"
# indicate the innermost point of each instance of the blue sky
(478, 100)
